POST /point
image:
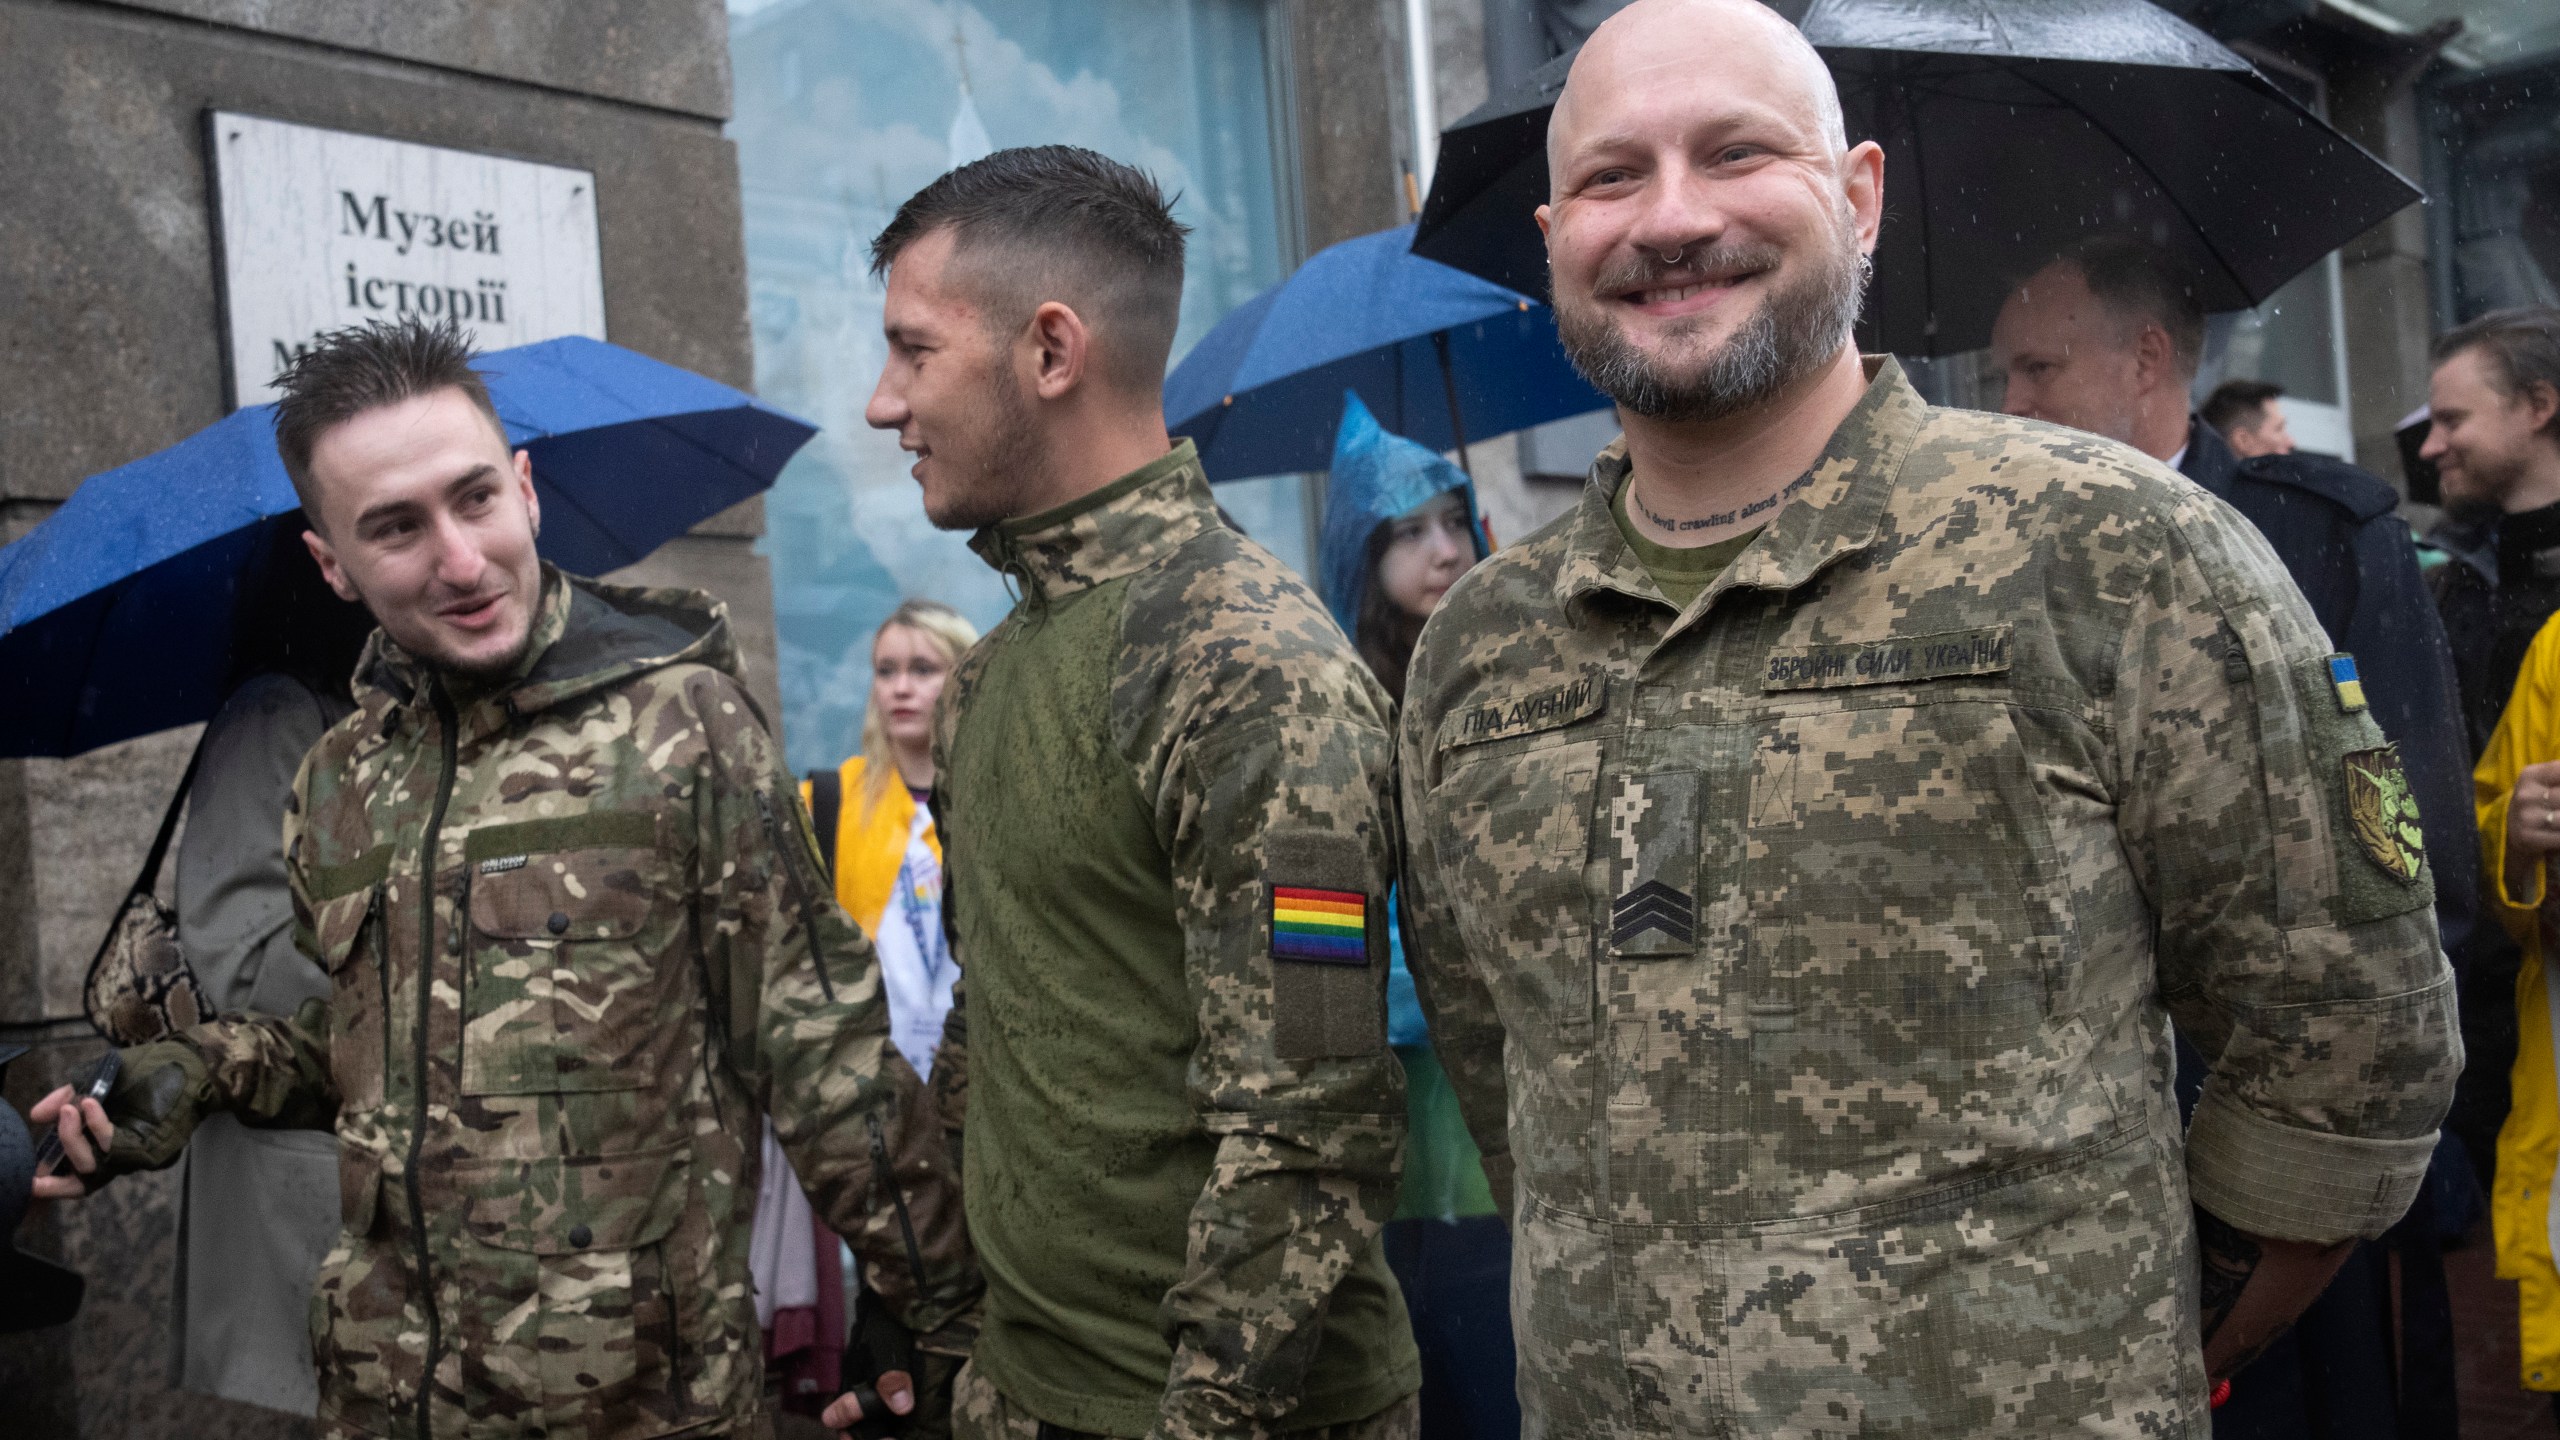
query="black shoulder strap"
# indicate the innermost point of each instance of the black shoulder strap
(826, 803)
(148, 882)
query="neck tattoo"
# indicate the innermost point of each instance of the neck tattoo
(1720, 518)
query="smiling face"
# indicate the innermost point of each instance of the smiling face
(2484, 441)
(907, 671)
(1707, 233)
(951, 392)
(428, 520)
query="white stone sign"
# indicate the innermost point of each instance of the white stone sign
(321, 228)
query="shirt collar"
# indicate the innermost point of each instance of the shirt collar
(2207, 459)
(1837, 506)
(1122, 528)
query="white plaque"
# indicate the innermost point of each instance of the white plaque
(322, 229)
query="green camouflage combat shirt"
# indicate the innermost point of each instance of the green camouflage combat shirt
(1182, 1118)
(1821, 940)
(579, 944)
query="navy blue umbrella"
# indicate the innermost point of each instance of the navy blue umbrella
(1437, 355)
(116, 613)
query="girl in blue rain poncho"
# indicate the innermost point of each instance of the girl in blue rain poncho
(1400, 527)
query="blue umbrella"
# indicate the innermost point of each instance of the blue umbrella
(116, 612)
(1436, 354)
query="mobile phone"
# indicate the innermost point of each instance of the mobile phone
(102, 1078)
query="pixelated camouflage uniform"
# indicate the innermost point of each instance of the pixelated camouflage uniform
(1822, 940)
(1181, 1147)
(627, 951)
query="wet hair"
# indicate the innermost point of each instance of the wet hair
(951, 634)
(2522, 346)
(2239, 402)
(1384, 632)
(366, 367)
(2139, 282)
(1059, 222)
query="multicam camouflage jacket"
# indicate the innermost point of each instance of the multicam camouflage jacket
(1820, 941)
(1167, 811)
(579, 944)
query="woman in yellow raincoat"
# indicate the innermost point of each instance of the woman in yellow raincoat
(2517, 789)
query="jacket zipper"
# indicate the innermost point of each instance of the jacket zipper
(373, 928)
(450, 746)
(883, 1173)
(782, 855)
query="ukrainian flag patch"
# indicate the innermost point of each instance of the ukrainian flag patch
(1329, 927)
(2342, 674)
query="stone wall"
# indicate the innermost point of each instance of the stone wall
(110, 348)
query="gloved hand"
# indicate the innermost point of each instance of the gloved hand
(159, 1095)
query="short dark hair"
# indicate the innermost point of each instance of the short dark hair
(1063, 223)
(2239, 402)
(365, 367)
(2138, 281)
(2522, 345)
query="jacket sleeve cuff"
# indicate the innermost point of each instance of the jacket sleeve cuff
(2493, 845)
(2287, 1183)
(1203, 1412)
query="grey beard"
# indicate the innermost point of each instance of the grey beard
(1791, 335)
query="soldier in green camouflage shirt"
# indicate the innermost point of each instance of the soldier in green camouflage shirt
(1804, 954)
(579, 942)
(1165, 803)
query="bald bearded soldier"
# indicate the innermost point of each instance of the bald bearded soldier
(1811, 837)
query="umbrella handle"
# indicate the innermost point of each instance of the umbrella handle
(1449, 387)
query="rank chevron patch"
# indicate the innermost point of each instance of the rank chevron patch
(1654, 906)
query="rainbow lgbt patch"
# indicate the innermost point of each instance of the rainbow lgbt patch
(1330, 927)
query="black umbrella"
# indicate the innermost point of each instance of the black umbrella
(2008, 132)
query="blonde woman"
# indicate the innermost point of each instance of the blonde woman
(887, 859)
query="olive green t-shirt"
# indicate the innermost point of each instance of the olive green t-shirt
(1680, 574)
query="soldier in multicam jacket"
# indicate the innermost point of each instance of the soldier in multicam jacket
(579, 940)
(1163, 788)
(1804, 950)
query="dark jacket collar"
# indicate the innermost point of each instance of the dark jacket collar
(2527, 534)
(2210, 461)
(1834, 509)
(1122, 528)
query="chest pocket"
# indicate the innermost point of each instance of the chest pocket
(562, 989)
(347, 937)
(1512, 831)
(1900, 851)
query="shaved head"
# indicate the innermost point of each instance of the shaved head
(1707, 224)
(1651, 40)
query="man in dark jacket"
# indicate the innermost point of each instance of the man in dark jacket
(2107, 338)
(2494, 437)
(2493, 434)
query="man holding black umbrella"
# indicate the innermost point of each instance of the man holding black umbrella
(1802, 951)
(2106, 339)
